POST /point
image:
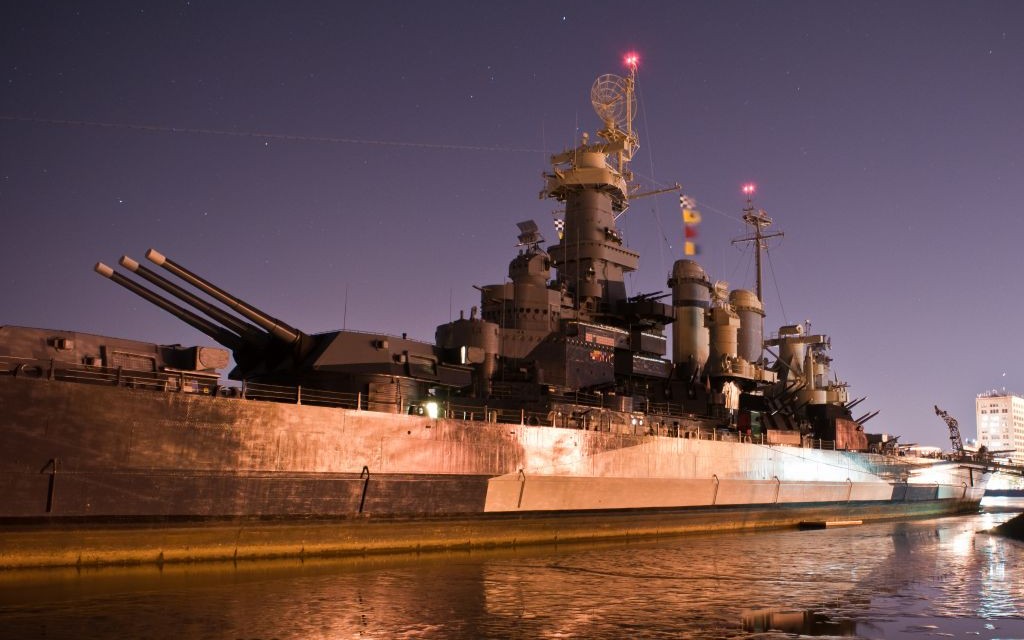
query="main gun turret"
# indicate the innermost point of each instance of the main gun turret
(387, 373)
(272, 325)
(261, 346)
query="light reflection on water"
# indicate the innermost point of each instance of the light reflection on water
(919, 579)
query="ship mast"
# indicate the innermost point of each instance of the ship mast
(759, 220)
(614, 99)
(592, 180)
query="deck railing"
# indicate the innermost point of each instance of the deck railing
(584, 410)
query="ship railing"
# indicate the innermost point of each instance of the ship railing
(582, 416)
(485, 413)
(648, 420)
(588, 398)
(818, 443)
(323, 398)
(299, 395)
(172, 380)
(270, 393)
(611, 401)
(620, 403)
(667, 409)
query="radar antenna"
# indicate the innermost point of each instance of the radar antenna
(529, 234)
(614, 100)
(602, 164)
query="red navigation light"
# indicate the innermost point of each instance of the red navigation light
(631, 60)
(749, 188)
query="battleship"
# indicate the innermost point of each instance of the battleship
(561, 409)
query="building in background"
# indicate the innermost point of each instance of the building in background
(1000, 423)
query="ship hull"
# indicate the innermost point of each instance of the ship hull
(100, 473)
(72, 542)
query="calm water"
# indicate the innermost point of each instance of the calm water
(936, 578)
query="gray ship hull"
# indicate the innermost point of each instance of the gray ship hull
(99, 473)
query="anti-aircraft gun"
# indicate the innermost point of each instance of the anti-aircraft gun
(390, 373)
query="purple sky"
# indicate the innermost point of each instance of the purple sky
(885, 139)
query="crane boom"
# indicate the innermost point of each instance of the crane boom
(954, 431)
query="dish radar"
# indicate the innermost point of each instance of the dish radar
(614, 101)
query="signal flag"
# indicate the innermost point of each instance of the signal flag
(691, 218)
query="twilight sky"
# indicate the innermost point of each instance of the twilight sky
(362, 165)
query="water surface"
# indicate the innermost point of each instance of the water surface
(937, 578)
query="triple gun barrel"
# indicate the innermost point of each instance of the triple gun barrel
(261, 333)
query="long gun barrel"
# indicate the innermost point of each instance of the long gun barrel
(867, 416)
(853, 403)
(233, 324)
(220, 334)
(272, 325)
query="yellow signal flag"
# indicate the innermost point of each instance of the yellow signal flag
(691, 248)
(691, 216)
